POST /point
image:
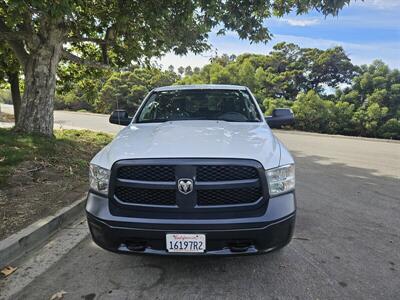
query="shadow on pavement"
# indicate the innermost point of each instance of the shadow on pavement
(345, 246)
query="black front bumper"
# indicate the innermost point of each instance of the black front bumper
(265, 233)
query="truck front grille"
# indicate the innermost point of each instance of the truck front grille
(147, 173)
(228, 196)
(218, 184)
(225, 173)
(145, 196)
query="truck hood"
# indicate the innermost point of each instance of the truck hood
(193, 139)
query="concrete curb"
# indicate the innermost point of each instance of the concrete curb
(32, 236)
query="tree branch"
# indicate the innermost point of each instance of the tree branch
(11, 35)
(14, 39)
(104, 50)
(79, 60)
(19, 51)
(77, 39)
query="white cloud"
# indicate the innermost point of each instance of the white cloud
(380, 4)
(360, 53)
(301, 22)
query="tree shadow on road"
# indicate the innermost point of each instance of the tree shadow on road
(344, 247)
(346, 216)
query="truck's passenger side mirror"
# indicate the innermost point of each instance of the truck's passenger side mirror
(280, 117)
(120, 117)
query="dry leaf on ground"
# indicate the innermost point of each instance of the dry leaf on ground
(8, 270)
(59, 295)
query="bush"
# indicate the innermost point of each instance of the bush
(391, 129)
(5, 96)
(340, 118)
(71, 101)
(368, 118)
(311, 112)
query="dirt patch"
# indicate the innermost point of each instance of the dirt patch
(39, 175)
(35, 190)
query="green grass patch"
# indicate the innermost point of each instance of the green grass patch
(68, 151)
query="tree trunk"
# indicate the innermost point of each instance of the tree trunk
(13, 80)
(36, 114)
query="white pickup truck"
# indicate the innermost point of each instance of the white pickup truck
(196, 171)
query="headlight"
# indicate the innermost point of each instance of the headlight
(99, 178)
(281, 180)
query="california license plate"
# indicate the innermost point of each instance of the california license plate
(186, 243)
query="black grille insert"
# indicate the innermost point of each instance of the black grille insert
(225, 173)
(147, 173)
(145, 196)
(228, 196)
(225, 183)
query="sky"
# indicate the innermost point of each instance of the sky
(366, 30)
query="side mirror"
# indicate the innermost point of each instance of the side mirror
(120, 117)
(280, 117)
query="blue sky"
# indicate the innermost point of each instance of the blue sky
(366, 30)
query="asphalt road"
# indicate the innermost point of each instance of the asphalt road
(76, 120)
(346, 243)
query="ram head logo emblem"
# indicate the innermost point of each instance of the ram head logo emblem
(185, 186)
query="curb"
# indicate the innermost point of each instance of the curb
(32, 236)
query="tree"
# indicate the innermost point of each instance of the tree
(9, 71)
(220, 75)
(171, 68)
(188, 71)
(341, 118)
(311, 112)
(369, 118)
(115, 33)
(283, 73)
(246, 74)
(125, 90)
(181, 70)
(330, 67)
(391, 129)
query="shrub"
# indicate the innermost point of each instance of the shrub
(391, 129)
(311, 112)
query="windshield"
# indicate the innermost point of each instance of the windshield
(179, 105)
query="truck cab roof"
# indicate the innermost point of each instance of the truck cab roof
(200, 87)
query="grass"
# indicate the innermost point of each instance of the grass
(69, 151)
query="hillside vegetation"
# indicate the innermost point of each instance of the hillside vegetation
(326, 91)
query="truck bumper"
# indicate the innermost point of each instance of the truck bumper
(260, 234)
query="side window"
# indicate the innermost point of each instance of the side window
(250, 107)
(149, 111)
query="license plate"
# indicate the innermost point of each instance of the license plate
(186, 243)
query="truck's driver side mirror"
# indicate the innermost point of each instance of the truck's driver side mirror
(280, 117)
(120, 117)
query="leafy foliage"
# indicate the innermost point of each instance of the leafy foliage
(117, 33)
(290, 76)
(112, 90)
(369, 105)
